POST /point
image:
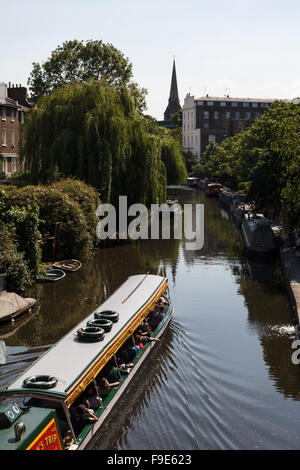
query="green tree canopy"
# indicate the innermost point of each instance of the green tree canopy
(262, 161)
(79, 61)
(93, 132)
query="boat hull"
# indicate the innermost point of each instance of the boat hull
(71, 265)
(53, 275)
(256, 250)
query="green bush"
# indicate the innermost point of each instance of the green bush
(86, 196)
(12, 262)
(57, 207)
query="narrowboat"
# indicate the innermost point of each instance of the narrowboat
(193, 182)
(258, 237)
(243, 212)
(212, 189)
(40, 409)
(229, 198)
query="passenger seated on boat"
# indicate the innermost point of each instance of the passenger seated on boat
(94, 400)
(138, 341)
(156, 318)
(163, 299)
(144, 327)
(105, 387)
(133, 351)
(145, 337)
(85, 409)
(122, 361)
(79, 418)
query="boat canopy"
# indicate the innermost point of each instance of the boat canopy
(75, 364)
(12, 304)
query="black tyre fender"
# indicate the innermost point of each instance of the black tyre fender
(90, 333)
(103, 323)
(108, 314)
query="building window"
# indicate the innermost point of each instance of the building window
(12, 115)
(236, 115)
(247, 115)
(210, 103)
(225, 132)
(234, 104)
(211, 139)
(206, 114)
(223, 103)
(206, 126)
(12, 138)
(200, 103)
(257, 115)
(227, 115)
(3, 137)
(245, 104)
(3, 114)
(254, 105)
(216, 115)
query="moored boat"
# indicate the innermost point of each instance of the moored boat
(212, 189)
(229, 198)
(13, 305)
(51, 275)
(242, 212)
(192, 181)
(68, 265)
(258, 237)
(39, 410)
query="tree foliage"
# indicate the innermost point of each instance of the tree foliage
(263, 161)
(79, 61)
(93, 132)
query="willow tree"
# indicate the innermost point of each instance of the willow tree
(92, 131)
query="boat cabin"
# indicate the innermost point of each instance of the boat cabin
(212, 189)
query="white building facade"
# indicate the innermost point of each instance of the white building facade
(191, 136)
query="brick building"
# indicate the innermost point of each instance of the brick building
(14, 104)
(213, 119)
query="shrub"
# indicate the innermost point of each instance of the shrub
(57, 207)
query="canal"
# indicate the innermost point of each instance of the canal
(222, 377)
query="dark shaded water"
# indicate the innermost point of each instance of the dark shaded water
(222, 378)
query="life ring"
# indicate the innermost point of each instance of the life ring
(40, 381)
(103, 323)
(90, 333)
(108, 314)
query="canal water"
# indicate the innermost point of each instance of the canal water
(221, 378)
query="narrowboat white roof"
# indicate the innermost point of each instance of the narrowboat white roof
(69, 358)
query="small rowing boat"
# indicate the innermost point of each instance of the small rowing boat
(68, 265)
(51, 275)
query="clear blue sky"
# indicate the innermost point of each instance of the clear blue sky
(250, 47)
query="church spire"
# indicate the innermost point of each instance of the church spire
(174, 104)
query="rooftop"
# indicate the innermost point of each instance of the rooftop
(229, 98)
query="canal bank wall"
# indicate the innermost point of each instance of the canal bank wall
(291, 269)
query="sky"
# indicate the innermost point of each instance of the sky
(244, 48)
